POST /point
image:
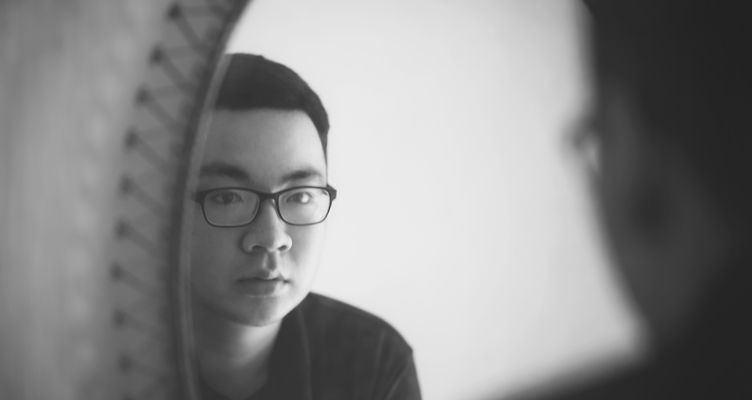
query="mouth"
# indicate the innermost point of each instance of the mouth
(262, 287)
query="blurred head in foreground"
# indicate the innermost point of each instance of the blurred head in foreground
(673, 179)
(672, 118)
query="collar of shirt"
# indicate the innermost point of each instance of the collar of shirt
(289, 365)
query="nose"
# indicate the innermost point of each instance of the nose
(267, 233)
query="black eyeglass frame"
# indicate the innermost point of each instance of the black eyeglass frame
(200, 197)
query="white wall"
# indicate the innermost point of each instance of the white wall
(460, 220)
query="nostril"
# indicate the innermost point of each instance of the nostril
(284, 247)
(259, 242)
(256, 248)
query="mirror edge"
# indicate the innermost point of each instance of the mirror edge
(180, 234)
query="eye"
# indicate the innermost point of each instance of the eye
(224, 197)
(300, 197)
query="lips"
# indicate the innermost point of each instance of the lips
(259, 287)
(265, 274)
(261, 277)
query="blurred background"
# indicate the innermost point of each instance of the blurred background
(462, 217)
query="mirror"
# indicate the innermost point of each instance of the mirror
(478, 249)
(460, 218)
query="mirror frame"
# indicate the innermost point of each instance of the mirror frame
(181, 83)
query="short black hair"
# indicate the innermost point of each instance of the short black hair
(253, 82)
(688, 66)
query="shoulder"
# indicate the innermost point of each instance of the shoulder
(327, 317)
(355, 354)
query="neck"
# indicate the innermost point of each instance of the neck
(232, 358)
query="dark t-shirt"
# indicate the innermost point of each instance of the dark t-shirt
(328, 350)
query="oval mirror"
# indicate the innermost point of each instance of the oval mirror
(459, 220)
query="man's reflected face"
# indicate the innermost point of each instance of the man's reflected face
(256, 274)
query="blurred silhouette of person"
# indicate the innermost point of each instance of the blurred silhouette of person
(671, 135)
(262, 200)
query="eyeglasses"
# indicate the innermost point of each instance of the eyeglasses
(234, 206)
(586, 140)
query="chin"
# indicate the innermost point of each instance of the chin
(265, 312)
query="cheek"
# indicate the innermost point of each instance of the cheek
(307, 246)
(614, 194)
(619, 196)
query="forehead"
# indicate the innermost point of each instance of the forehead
(265, 144)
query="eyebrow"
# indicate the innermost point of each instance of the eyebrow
(227, 170)
(301, 174)
(223, 169)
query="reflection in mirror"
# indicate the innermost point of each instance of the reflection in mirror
(458, 219)
(264, 197)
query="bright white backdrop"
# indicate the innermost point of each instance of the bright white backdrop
(461, 219)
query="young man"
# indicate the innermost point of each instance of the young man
(674, 184)
(262, 201)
